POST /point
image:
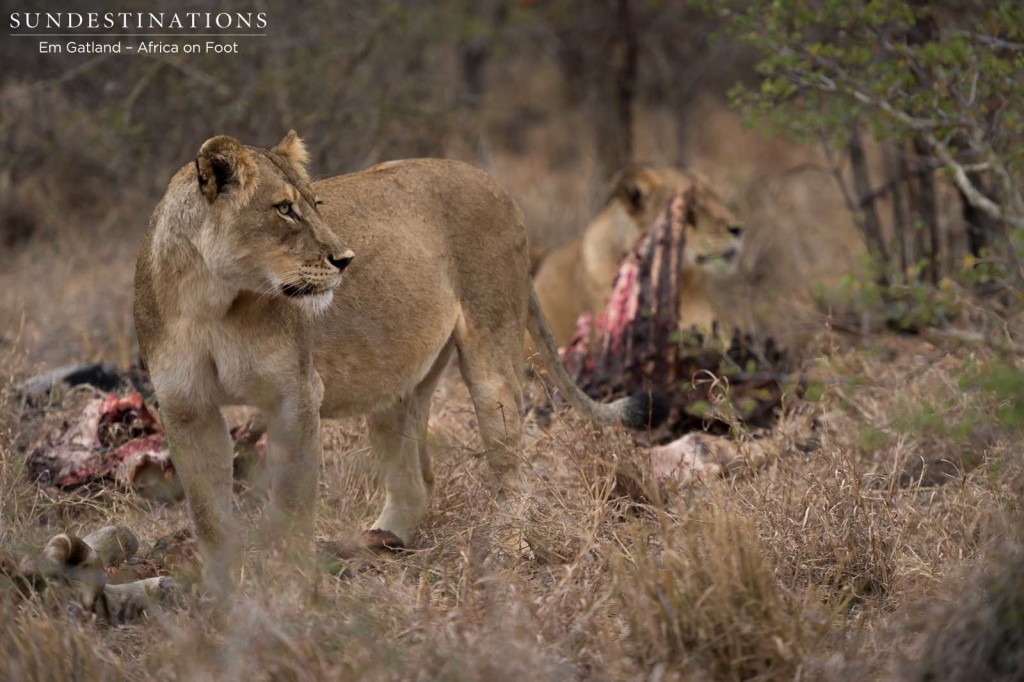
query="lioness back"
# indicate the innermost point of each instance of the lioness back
(438, 243)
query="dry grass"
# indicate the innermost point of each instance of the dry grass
(710, 601)
(803, 568)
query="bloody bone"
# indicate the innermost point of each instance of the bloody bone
(116, 437)
(121, 438)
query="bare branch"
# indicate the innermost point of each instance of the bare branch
(964, 184)
(924, 126)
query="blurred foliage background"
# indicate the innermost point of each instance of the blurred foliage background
(895, 161)
(364, 81)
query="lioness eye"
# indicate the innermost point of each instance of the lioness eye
(284, 208)
(319, 202)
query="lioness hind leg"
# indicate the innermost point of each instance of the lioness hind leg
(490, 368)
(399, 439)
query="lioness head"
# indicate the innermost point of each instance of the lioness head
(641, 193)
(264, 232)
(714, 236)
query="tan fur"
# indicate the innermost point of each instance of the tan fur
(294, 149)
(441, 268)
(577, 276)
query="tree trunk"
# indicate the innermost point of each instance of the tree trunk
(598, 54)
(475, 51)
(928, 213)
(872, 226)
(613, 69)
(896, 172)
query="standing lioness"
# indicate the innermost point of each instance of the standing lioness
(239, 300)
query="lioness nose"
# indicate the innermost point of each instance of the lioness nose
(341, 262)
(735, 230)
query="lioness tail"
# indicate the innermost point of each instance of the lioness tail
(640, 411)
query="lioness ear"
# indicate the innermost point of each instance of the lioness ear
(630, 187)
(223, 165)
(293, 148)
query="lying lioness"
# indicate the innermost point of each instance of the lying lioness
(239, 300)
(577, 277)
